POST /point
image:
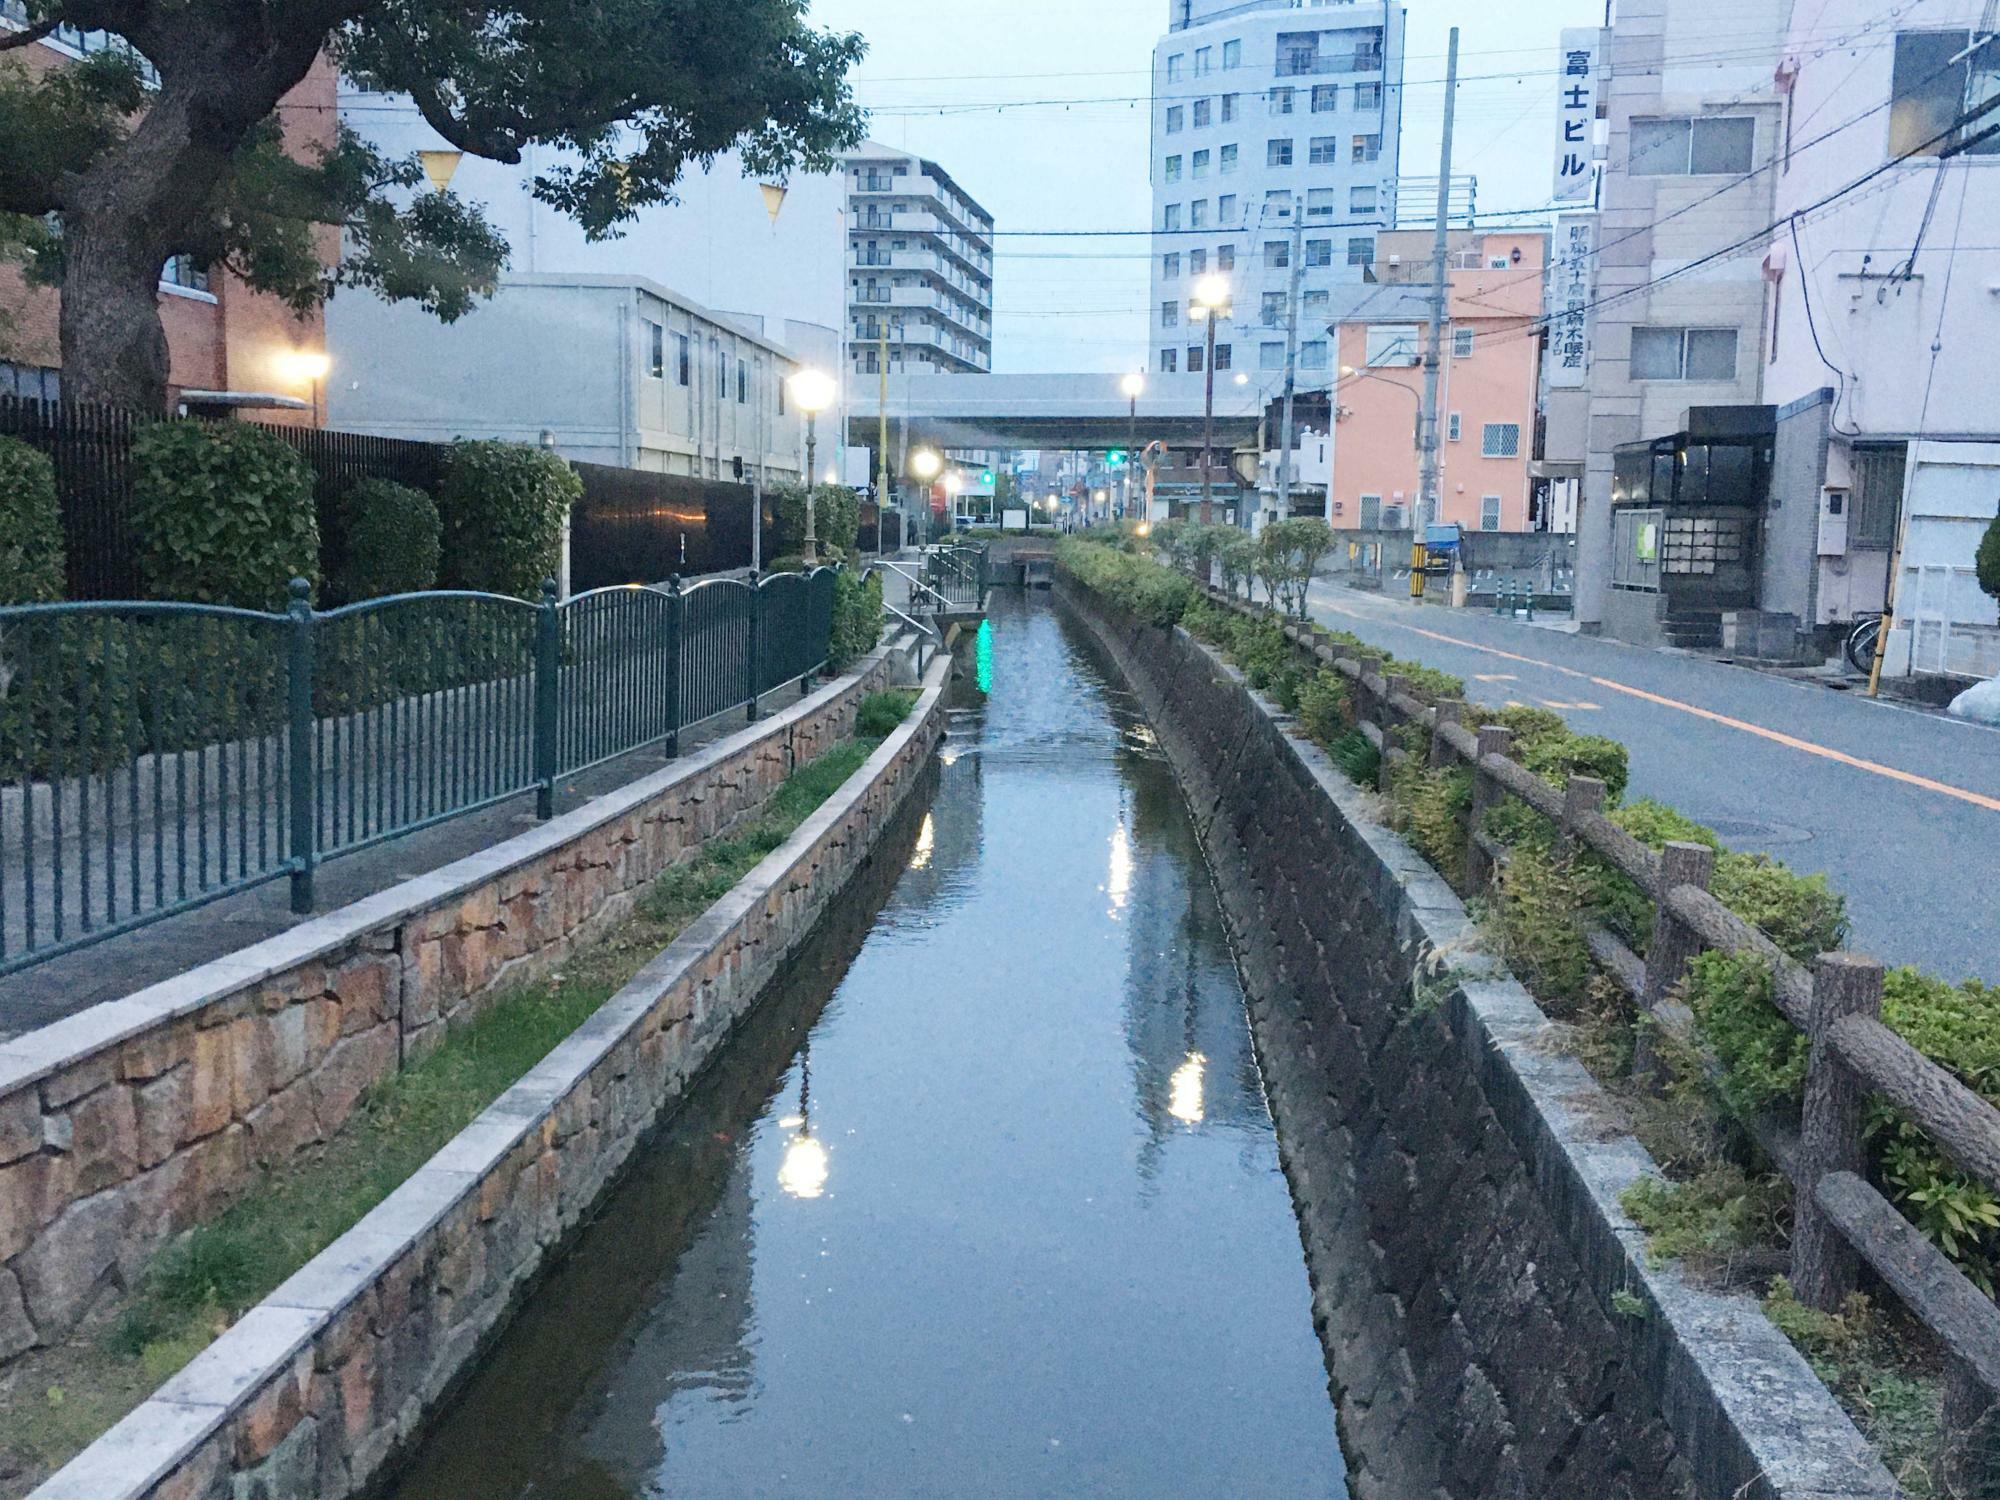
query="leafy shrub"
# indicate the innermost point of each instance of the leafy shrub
(1288, 552)
(1238, 557)
(1706, 1222)
(1986, 560)
(1533, 915)
(880, 713)
(1431, 806)
(1206, 621)
(223, 513)
(1356, 756)
(1323, 707)
(857, 618)
(836, 518)
(791, 562)
(382, 538)
(1156, 594)
(1428, 682)
(31, 539)
(503, 508)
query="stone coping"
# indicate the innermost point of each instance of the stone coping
(164, 1437)
(33, 1055)
(1747, 1413)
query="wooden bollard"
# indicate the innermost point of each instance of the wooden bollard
(1486, 793)
(1824, 1265)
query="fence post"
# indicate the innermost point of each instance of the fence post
(1365, 695)
(1581, 795)
(1449, 711)
(548, 697)
(676, 617)
(304, 783)
(1668, 954)
(1493, 740)
(756, 631)
(1971, 1425)
(1824, 1265)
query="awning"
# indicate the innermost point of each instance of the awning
(265, 400)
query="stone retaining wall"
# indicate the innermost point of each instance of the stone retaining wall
(132, 1120)
(312, 1391)
(1489, 1317)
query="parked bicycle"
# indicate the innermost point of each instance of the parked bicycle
(1861, 643)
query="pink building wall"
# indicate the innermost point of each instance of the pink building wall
(1373, 450)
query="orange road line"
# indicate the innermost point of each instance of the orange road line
(1790, 742)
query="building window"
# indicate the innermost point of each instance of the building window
(1313, 305)
(1454, 427)
(1176, 117)
(1170, 217)
(1194, 359)
(1691, 147)
(1198, 164)
(1170, 314)
(656, 350)
(1277, 254)
(1392, 344)
(1361, 250)
(1270, 356)
(1279, 101)
(742, 382)
(1361, 199)
(1198, 214)
(1228, 108)
(1232, 55)
(1228, 160)
(1367, 147)
(1500, 440)
(1225, 210)
(1170, 265)
(1221, 356)
(1319, 204)
(1169, 361)
(1326, 98)
(1204, 61)
(1367, 96)
(1683, 354)
(1173, 169)
(1312, 354)
(1323, 150)
(1461, 343)
(1489, 512)
(1935, 81)
(1272, 312)
(1278, 203)
(781, 396)
(1225, 257)
(1278, 153)
(1174, 62)
(1197, 262)
(1201, 112)
(1319, 252)
(181, 270)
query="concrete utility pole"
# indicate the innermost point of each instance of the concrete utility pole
(1291, 367)
(1427, 479)
(882, 436)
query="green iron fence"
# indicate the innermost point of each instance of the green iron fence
(154, 757)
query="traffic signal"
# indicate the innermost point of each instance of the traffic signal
(1115, 459)
(985, 476)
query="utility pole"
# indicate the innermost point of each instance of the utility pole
(1291, 367)
(1208, 425)
(1427, 481)
(882, 433)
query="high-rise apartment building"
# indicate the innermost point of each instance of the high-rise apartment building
(1262, 112)
(919, 267)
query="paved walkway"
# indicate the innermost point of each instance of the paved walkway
(1897, 807)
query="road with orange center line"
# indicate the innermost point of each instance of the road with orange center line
(1897, 807)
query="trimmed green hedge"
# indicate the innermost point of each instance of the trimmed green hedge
(502, 509)
(31, 539)
(382, 538)
(857, 618)
(223, 513)
(836, 518)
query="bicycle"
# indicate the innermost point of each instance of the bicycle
(1860, 645)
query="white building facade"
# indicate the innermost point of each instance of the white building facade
(1886, 312)
(919, 269)
(1262, 111)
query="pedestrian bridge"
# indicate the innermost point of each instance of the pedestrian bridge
(1088, 411)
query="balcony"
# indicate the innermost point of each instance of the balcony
(1315, 65)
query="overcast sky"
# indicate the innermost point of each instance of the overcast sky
(936, 69)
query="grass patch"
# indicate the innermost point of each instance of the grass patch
(197, 1286)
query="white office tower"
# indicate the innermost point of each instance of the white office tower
(1262, 111)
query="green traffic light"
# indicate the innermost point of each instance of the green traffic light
(985, 476)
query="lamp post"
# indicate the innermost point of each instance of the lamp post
(310, 366)
(1131, 385)
(925, 463)
(814, 391)
(952, 484)
(1211, 301)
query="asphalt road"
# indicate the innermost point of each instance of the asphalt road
(1897, 807)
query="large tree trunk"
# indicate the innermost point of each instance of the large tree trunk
(114, 347)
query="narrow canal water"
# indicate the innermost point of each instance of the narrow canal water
(984, 1201)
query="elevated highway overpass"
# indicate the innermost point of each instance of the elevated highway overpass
(1086, 411)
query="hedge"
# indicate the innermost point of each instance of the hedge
(836, 518)
(223, 514)
(857, 618)
(382, 538)
(502, 510)
(31, 539)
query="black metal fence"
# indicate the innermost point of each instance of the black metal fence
(636, 526)
(154, 757)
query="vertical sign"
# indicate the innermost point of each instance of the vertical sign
(1569, 300)
(1576, 111)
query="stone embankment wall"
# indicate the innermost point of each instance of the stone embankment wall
(313, 1390)
(133, 1120)
(1490, 1319)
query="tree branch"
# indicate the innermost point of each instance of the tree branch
(45, 27)
(498, 146)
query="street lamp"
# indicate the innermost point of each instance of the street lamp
(309, 366)
(1132, 385)
(814, 391)
(1211, 301)
(925, 463)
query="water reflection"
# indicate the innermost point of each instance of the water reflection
(1003, 1220)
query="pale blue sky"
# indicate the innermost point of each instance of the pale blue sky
(1080, 304)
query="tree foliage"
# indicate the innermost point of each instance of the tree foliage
(503, 507)
(31, 539)
(224, 514)
(381, 538)
(1986, 560)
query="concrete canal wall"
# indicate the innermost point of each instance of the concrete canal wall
(133, 1120)
(1490, 1321)
(313, 1390)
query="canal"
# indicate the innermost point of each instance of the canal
(985, 1198)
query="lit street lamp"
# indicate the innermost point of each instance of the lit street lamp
(1132, 385)
(814, 391)
(925, 463)
(1211, 301)
(310, 366)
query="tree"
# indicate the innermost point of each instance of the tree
(108, 172)
(1986, 561)
(1288, 552)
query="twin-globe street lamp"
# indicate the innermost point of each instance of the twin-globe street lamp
(814, 391)
(1211, 301)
